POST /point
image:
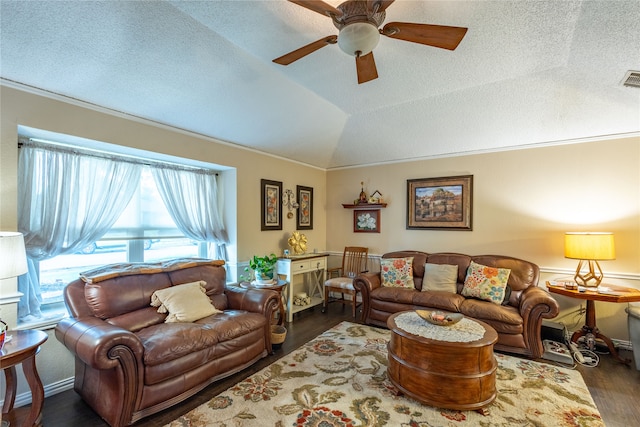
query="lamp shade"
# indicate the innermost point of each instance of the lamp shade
(589, 246)
(13, 258)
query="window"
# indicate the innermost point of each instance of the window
(143, 231)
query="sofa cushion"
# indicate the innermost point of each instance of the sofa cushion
(119, 295)
(440, 277)
(138, 319)
(410, 298)
(397, 272)
(171, 349)
(393, 294)
(486, 283)
(184, 303)
(439, 300)
(508, 317)
(419, 259)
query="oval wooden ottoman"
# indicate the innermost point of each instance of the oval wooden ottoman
(444, 374)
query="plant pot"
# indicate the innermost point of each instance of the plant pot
(278, 334)
(264, 276)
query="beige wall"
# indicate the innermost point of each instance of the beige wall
(21, 108)
(523, 202)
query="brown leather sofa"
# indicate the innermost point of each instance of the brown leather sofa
(518, 321)
(130, 364)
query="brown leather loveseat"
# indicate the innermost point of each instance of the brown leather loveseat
(130, 363)
(518, 319)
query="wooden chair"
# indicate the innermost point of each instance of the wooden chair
(354, 262)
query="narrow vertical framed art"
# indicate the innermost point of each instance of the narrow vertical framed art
(270, 205)
(304, 220)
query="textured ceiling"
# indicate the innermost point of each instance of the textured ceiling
(527, 72)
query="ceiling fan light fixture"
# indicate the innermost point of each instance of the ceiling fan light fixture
(358, 38)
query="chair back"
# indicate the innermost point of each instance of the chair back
(354, 260)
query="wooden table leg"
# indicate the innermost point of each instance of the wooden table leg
(591, 328)
(37, 391)
(10, 397)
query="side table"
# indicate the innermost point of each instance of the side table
(614, 293)
(22, 349)
(278, 287)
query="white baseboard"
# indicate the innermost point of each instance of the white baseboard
(23, 399)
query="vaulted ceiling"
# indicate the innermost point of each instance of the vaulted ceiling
(526, 73)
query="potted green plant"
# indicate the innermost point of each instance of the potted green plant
(263, 267)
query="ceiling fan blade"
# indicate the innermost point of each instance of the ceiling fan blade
(381, 5)
(366, 67)
(440, 36)
(320, 7)
(305, 50)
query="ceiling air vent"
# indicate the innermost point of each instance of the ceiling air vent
(631, 79)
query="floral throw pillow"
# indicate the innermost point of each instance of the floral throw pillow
(397, 272)
(486, 283)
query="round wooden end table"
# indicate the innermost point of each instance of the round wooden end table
(443, 374)
(22, 349)
(606, 293)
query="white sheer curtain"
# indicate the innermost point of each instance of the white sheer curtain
(66, 201)
(191, 198)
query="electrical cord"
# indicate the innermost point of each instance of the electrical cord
(590, 358)
(583, 356)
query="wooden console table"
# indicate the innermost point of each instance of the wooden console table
(22, 349)
(313, 269)
(615, 294)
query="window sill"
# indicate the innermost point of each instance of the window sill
(48, 320)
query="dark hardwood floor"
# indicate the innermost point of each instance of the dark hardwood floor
(615, 387)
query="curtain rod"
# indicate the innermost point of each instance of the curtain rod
(72, 149)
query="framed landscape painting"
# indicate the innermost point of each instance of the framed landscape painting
(304, 220)
(440, 203)
(270, 205)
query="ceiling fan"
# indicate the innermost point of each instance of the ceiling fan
(358, 22)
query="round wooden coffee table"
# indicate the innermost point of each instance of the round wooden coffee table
(444, 374)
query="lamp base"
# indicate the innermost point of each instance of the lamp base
(590, 279)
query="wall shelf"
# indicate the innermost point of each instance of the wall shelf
(364, 206)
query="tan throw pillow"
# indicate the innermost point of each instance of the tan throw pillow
(486, 283)
(184, 303)
(440, 277)
(397, 272)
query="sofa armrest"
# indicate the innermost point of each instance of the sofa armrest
(536, 304)
(536, 301)
(264, 301)
(365, 283)
(99, 344)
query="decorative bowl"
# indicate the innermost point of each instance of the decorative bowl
(440, 318)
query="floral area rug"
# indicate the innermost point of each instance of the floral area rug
(339, 379)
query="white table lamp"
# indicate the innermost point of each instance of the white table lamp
(13, 263)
